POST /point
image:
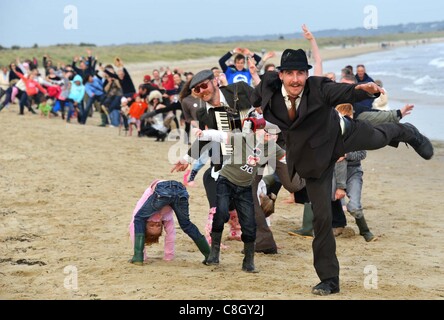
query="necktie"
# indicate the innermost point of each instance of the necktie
(292, 110)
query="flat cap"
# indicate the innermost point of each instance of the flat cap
(201, 76)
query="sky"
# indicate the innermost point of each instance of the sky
(106, 22)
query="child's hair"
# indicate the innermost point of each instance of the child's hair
(346, 109)
(153, 231)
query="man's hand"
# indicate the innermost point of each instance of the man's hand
(339, 194)
(252, 66)
(406, 110)
(247, 52)
(198, 133)
(118, 62)
(180, 165)
(238, 50)
(307, 34)
(269, 55)
(147, 115)
(223, 82)
(370, 87)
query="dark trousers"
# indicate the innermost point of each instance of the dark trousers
(324, 245)
(168, 193)
(90, 102)
(361, 135)
(242, 198)
(339, 219)
(7, 100)
(23, 101)
(264, 237)
(187, 132)
(210, 187)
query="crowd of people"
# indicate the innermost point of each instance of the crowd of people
(311, 130)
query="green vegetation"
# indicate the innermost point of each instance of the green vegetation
(63, 53)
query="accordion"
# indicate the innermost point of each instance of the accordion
(229, 119)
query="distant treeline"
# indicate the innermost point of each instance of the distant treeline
(35, 46)
(177, 51)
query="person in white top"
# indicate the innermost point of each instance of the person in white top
(381, 103)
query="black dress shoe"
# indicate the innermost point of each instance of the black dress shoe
(326, 287)
(420, 143)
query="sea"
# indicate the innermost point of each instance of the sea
(411, 74)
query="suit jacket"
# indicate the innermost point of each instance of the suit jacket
(238, 98)
(313, 140)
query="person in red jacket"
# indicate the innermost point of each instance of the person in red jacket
(136, 110)
(33, 90)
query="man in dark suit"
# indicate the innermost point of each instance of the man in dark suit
(235, 99)
(315, 136)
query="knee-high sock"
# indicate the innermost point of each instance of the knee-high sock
(235, 228)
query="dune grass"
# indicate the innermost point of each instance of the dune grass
(192, 50)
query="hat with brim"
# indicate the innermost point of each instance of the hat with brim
(294, 60)
(200, 77)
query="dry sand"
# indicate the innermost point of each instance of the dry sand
(68, 192)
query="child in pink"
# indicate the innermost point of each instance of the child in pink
(165, 215)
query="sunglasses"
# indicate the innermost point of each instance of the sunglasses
(202, 86)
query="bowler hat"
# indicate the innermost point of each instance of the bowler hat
(201, 76)
(294, 60)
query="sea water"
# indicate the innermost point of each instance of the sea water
(412, 74)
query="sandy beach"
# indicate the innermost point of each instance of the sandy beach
(68, 192)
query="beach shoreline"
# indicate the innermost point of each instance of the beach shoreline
(68, 192)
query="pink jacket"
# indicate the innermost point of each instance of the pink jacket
(165, 215)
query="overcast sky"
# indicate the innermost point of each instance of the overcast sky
(104, 22)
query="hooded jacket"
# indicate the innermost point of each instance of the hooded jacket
(77, 91)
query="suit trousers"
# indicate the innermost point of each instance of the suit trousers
(324, 245)
(361, 135)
